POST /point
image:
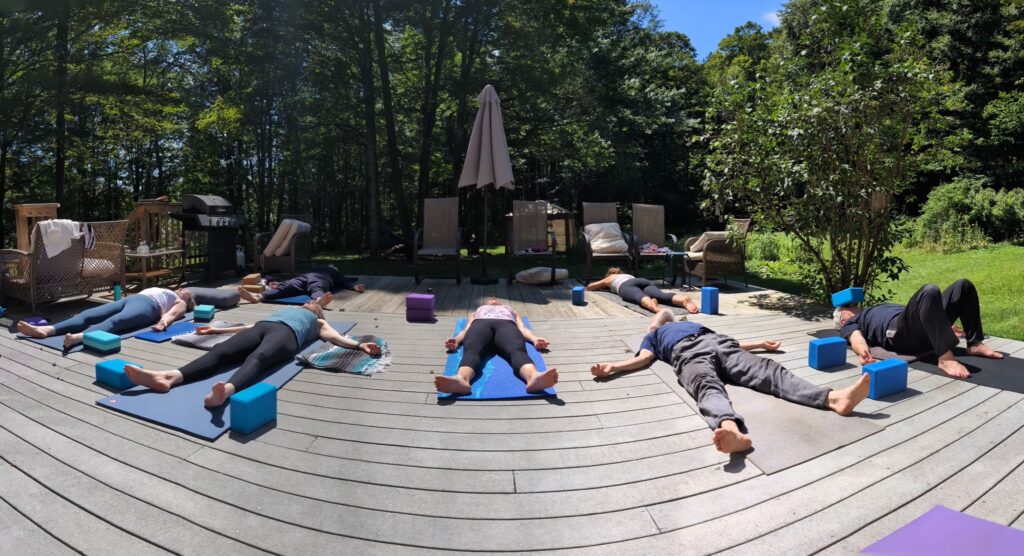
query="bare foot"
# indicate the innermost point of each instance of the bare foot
(843, 401)
(452, 385)
(730, 441)
(249, 296)
(26, 329)
(540, 381)
(325, 299)
(982, 350)
(953, 368)
(71, 340)
(219, 394)
(686, 302)
(158, 381)
(359, 288)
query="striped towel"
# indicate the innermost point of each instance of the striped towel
(347, 360)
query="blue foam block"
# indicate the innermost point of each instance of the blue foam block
(204, 312)
(577, 295)
(709, 300)
(182, 408)
(825, 353)
(111, 372)
(847, 297)
(101, 341)
(176, 329)
(888, 377)
(253, 407)
(496, 381)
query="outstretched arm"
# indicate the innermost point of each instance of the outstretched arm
(537, 341)
(202, 330)
(329, 334)
(172, 314)
(643, 360)
(860, 346)
(600, 284)
(452, 344)
(767, 345)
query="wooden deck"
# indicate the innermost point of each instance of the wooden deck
(361, 465)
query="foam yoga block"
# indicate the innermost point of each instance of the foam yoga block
(102, 341)
(419, 307)
(577, 295)
(253, 407)
(251, 279)
(825, 353)
(847, 297)
(111, 372)
(888, 377)
(709, 300)
(204, 312)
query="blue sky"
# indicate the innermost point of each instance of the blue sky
(707, 21)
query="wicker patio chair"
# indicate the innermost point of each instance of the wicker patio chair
(529, 230)
(440, 237)
(300, 249)
(721, 258)
(34, 277)
(600, 213)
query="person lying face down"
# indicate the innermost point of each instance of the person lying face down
(495, 327)
(258, 347)
(317, 283)
(641, 291)
(924, 325)
(156, 307)
(704, 361)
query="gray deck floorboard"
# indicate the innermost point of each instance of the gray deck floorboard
(358, 465)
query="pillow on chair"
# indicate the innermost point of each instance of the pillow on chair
(541, 275)
(297, 227)
(698, 245)
(275, 242)
(606, 238)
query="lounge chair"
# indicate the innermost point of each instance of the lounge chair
(528, 234)
(719, 254)
(604, 213)
(290, 249)
(440, 237)
(649, 227)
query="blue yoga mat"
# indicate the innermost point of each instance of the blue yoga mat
(297, 299)
(182, 407)
(496, 381)
(176, 329)
(57, 342)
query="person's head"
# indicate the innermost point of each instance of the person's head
(843, 314)
(613, 270)
(660, 319)
(493, 301)
(185, 295)
(314, 307)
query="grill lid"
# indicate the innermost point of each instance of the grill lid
(206, 204)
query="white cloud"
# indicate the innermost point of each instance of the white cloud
(771, 18)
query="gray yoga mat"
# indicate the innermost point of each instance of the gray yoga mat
(614, 298)
(784, 433)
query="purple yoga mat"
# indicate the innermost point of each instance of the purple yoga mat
(945, 532)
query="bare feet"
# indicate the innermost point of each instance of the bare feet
(158, 381)
(359, 288)
(452, 385)
(650, 304)
(982, 350)
(249, 296)
(325, 299)
(686, 302)
(540, 381)
(71, 340)
(26, 329)
(949, 365)
(843, 401)
(728, 439)
(219, 394)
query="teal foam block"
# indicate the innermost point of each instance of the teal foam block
(253, 407)
(848, 297)
(103, 342)
(496, 380)
(825, 353)
(888, 377)
(204, 312)
(111, 372)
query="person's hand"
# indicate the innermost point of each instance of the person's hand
(204, 330)
(541, 343)
(601, 370)
(771, 345)
(451, 344)
(359, 288)
(370, 348)
(273, 284)
(160, 326)
(866, 358)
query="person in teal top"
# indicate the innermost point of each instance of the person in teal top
(258, 347)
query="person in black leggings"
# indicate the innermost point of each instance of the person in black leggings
(641, 291)
(258, 347)
(924, 325)
(496, 328)
(317, 283)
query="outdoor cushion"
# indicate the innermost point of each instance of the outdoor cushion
(605, 238)
(219, 298)
(695, 255)
(297, 227)
(92, 268)
(705, 238)
(541, 275)
(275, 242)
(436, 251)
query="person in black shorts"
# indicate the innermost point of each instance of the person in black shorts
(317, 283)
(641, 291)
(924, 325)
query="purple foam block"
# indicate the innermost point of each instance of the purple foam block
(942, 531)
(419, 301)
(419, 315)
(36, 321)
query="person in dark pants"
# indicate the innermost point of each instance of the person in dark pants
(317, 283)
(706, 361)
(924, 325)
(258, 347)
(495, 327)
(641, 291)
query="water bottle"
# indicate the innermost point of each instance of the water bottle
(143, 248)
(117, 292)
(239, 260)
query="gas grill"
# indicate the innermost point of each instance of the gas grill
(211, 228)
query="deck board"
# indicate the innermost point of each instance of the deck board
(374, 464)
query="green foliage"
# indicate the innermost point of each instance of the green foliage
(966, 214)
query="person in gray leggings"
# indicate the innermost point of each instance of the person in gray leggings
(705, 361)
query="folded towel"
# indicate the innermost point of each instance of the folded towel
(58, 235)
(350, 360)
(206, 341)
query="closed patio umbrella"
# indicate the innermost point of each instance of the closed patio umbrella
(487, 161)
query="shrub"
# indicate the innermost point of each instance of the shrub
(966, 214)
(765, 247)
(1008, 215)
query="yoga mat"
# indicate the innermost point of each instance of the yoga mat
(57, 342)
(298, 299)
(1005, 374)
(614, 298)
(496, 381)
(784, 433)
(876, 351)
(945, 532)
(176, 329)
(182, 408)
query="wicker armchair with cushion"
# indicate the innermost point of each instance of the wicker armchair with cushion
(34, 277)
(283, 249)
(529, 236)
(604, 213)
(718, 254)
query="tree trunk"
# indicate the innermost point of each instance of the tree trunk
(432, 81)
(61, 71)
(370, 141)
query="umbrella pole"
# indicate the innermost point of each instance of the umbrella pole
(484, 279)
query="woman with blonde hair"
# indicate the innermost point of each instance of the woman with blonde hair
(641, 291)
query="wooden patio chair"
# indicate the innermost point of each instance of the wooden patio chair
(529, 231)
(299, 247)
(441, 236)
(600, 213)
(721, 257)
(649, 227)
(34, 277)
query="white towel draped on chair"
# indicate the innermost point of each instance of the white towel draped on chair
(58, 235)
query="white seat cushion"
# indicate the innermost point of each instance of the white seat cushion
(95, 268)
(277, 240)
(695, 255)
(541, 275)
(705, 238)
(606, 238)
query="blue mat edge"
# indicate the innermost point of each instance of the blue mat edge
(58, 342)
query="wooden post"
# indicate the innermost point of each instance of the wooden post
(25, 216)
